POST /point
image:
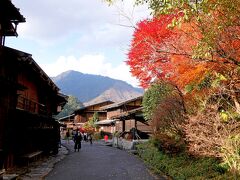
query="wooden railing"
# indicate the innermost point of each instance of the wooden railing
(30, 105)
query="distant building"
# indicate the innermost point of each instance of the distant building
(67, 123)
(124, 116)
(85, 113)
(28, 98)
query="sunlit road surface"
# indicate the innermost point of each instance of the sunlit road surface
(99, 162)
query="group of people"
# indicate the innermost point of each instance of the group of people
(77, 138)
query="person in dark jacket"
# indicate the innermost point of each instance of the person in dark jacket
(77, 141)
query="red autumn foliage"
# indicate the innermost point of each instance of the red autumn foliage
(158, 52)
(143, 57)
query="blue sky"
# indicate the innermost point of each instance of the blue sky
(87, 36)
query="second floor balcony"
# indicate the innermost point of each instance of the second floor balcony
(31, 106)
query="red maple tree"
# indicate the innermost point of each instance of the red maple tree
(144, 58)
(160, 52)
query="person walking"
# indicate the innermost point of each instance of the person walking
(77, 141)
(85, 137)
(68, 136)
(90, 138)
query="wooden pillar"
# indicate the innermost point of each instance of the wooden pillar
(1, 40)
(3, 119)
(123, 126)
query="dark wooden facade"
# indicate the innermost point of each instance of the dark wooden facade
(28, 101)
(28, 98)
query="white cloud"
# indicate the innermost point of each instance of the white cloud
(122, 72)
(90, 64)
(76, 27)
(47, 22)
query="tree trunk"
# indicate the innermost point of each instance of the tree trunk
(237, 105)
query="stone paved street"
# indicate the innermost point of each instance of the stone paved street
(97, 161)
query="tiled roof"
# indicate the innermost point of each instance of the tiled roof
(118, 104)
(26, 58)
(94, 104)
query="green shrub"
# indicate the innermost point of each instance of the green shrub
(180, 166)
(168, 144)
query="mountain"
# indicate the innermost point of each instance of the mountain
(94, 88)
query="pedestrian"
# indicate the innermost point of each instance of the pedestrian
(106, 138)
(68, 135)
(90, 138)
(77, 141)
(85, 137)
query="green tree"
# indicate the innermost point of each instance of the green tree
(72, 104)
(153, 96)
(164, 108)
(94, 119)
(90, 125)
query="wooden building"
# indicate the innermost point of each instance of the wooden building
(28, 100)
(69, 123)
(10, 17)
(127, 115)
(84, 114)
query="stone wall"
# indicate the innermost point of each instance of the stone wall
(127, 144)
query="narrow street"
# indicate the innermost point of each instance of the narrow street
(97, 161)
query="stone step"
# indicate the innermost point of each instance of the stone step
(10, 176)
